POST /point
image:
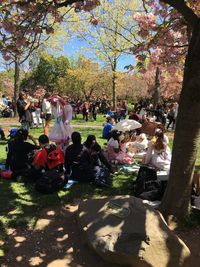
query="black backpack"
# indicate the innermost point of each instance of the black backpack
(51, 181)
(146, 177)
(147, 185)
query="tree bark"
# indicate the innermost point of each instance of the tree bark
(156, 95)
(114, 77)
(16, 84)
(176, 200)
(114, 90)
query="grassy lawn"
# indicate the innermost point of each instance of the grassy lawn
(79, 120)
(20, 204)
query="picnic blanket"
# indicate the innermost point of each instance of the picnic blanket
(149, 127)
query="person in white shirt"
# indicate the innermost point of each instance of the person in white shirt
(46, 112)
(158, 153)
(139, 145)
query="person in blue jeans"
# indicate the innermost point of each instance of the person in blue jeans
(107, 128)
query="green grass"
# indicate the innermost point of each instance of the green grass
(20, 204)
(79, 120)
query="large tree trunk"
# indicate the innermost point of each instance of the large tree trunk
(16, 84)
(156, 94)
(176, 200)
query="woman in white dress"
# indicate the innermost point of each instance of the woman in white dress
(62, 111)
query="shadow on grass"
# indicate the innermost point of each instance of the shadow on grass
(21, 205)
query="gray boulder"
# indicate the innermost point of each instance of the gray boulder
(123, 230)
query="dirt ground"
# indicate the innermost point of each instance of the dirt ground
(56, 242)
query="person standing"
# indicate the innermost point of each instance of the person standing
(61, 130)
(171, 117)
(46, 113)
(85, 111)
(24, 111)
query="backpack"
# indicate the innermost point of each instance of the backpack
(146, 177)
(147, 185)
(51, 181)
(55, 157)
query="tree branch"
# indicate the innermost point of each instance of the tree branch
(66, 3)
(188, 14)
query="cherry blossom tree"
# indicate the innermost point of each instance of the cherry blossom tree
(172, 36)
(25, 24)
(169, 30)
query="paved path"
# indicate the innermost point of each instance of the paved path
(12, 122)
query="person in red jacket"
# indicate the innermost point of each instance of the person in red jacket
(49, 156)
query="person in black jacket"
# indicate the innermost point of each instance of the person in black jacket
(18, 151)
(78, 161)
(24, 111)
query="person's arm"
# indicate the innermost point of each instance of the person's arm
(27, 105)
(33, 140)
(68, 113)
(148, 156)
(104, 160)
(9, 155)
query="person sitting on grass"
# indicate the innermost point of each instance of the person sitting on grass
(49, 156)
(158, 153)
(115, 151)
(102, 169)
(78, 161)
(139, 145)
(18, 151)
(107, 128)
(96, 152)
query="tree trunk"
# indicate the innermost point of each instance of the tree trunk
(176, 200)
(16, 84)
(156, 95)
(114, 77)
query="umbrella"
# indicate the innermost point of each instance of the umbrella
(127, 125)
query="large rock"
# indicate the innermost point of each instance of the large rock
(123, 230)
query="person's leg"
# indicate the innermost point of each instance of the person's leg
(46, 127)
(173, 124)
(94, 116)
(86, 117)
(25, 125)
(170, 121)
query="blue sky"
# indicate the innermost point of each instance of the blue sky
(75, 47)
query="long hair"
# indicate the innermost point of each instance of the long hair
(91, 139)
(158, 142)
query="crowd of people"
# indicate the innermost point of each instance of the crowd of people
(61, 148)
